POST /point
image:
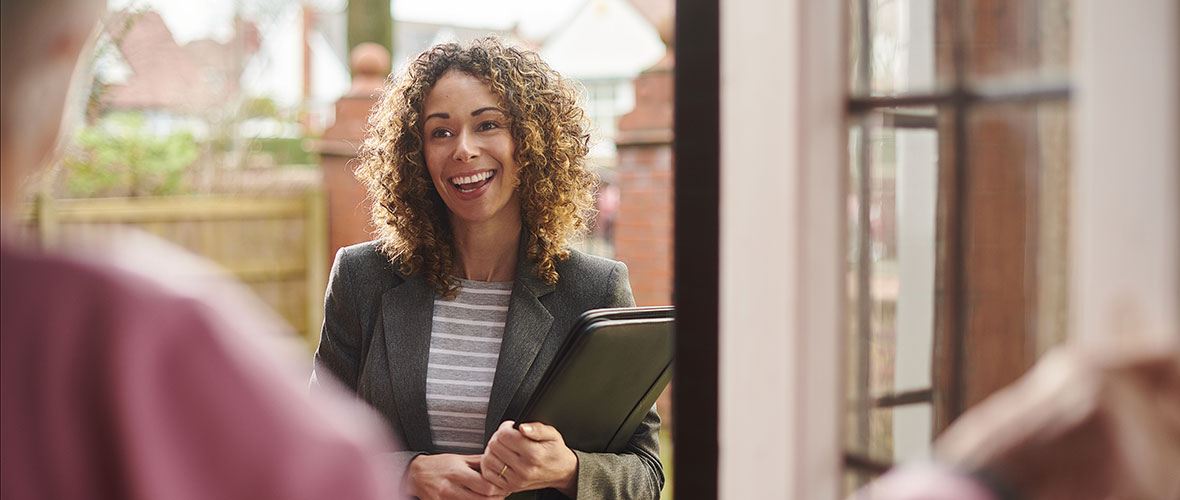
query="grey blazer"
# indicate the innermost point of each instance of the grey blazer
(376, 339)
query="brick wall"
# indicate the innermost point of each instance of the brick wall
(643, 228)
(348, 208)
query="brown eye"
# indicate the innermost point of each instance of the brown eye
(440, 132)
(488, 125)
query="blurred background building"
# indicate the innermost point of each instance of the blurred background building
(229, 128)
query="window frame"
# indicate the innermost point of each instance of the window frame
(1100, 113)
(957, 99)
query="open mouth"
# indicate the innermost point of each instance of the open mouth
(469, 183)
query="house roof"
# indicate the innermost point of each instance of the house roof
(187, 79)
(657, 12)
(411, 38)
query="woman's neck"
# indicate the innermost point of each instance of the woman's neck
(486, 252)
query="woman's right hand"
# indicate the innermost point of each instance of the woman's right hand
(449, 476)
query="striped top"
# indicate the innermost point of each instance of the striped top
(465, 337)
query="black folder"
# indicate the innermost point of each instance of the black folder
(606, 377)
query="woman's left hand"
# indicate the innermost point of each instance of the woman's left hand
(531, 458)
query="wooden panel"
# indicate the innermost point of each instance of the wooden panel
(275, 244)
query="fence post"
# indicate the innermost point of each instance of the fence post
(47, 223)
(317, 254)
(348, 209)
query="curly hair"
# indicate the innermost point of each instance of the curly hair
(552, 138)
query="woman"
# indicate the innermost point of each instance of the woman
(476, 162)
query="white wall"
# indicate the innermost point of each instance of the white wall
(1125, 218)
(781, 269)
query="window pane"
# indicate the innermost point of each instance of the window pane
(912, 431)
(1017, 41)
(902, 39)
(1014, 224)
(852, 480)
(899, 434)
(891, 275)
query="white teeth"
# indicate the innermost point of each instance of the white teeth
(468, 179)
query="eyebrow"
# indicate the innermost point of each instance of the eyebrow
(489, 108)
(477, 112)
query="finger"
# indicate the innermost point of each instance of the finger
(514, 448)
(489, 464)
(474, 481)
(540, 432)
(473, 461)
(483, 490)
(500, 468)
(496, 471)
(508, 441)
(462, 492)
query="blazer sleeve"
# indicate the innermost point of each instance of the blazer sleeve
(636, 472)
(340, 336)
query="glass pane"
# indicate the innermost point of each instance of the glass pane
(912, 431)
(903, 177)
(853, 480)
(1017, 41)
(1015, 230)
(898, 435)
(857, 81)
(891, 273)
(901, 34)
(859, 333)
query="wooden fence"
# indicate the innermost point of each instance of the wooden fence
(276, 244)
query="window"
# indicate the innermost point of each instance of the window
(605, 101)
(958, 116)
(764, 288)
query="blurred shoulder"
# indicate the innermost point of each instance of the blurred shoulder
(58, 282)
(365, 256)
(582, 266)
(367, 266)
(594, 280)
(60, 301)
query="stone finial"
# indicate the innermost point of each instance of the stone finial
(667, 31)
(370, 64)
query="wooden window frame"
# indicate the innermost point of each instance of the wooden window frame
(958, 99)
(1105, 201)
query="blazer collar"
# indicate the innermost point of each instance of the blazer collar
(408, 308)
(524, 333)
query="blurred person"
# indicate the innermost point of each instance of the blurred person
(446, 322)
(117, 382)
(1089, 422)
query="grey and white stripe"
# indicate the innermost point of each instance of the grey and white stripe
(465, 337)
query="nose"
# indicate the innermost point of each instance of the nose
(466, 148)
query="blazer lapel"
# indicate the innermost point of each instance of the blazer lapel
(408, 309)
(524, 333)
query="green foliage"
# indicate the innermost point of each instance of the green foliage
(261, 107)
(284, 150)
(122, 156)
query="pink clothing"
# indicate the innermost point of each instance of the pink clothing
(114, 386)
(924, 482)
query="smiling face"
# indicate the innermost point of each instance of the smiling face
(470, 152)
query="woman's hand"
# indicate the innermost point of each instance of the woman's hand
(531, 458)
(449, 476)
